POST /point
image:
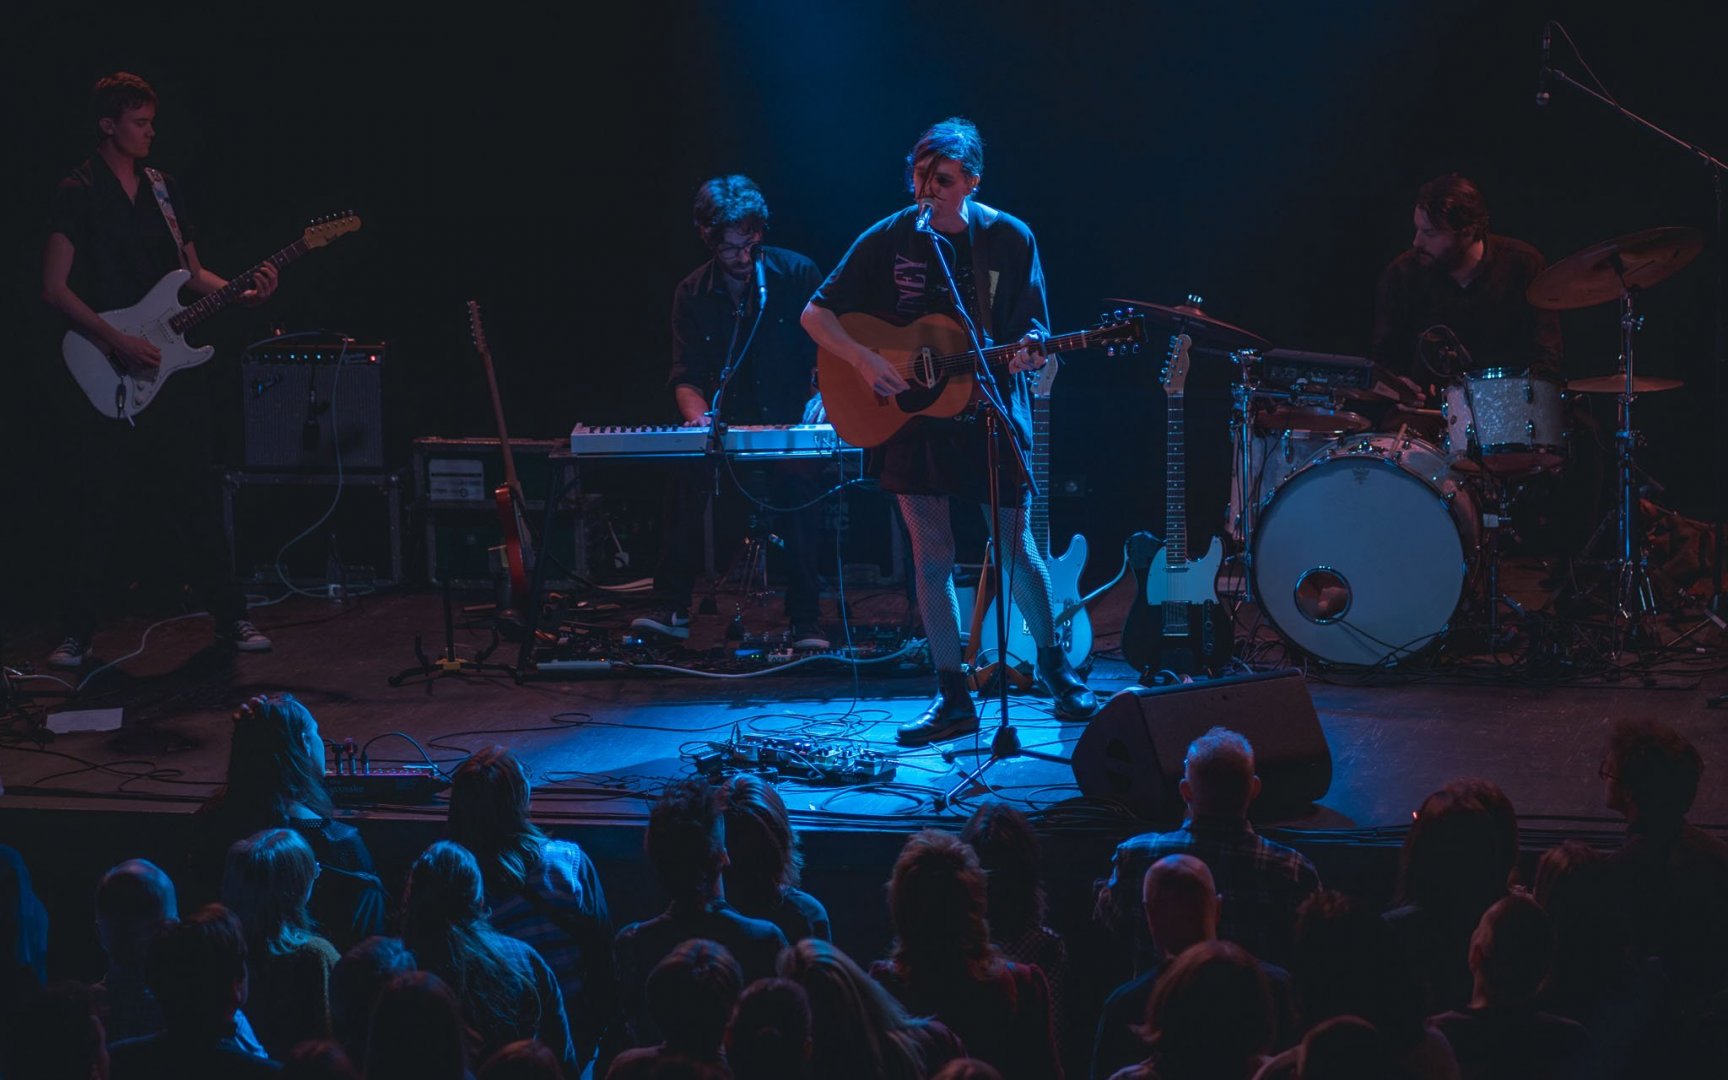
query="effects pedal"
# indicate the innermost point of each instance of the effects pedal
(795, 758)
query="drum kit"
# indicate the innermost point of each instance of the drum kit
(1362, 541)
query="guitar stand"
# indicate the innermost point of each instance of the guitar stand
(450, 663)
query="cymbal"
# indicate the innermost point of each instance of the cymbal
(1200, 327)
(1614, 384)
(1599, 273)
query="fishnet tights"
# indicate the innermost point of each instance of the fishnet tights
(932, 536)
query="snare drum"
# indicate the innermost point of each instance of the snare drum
(1513, 422)
(1362, 555)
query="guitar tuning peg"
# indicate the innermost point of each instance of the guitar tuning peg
(1195, 300)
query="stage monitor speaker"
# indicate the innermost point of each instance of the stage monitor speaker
(300, 407)
(1132, 751)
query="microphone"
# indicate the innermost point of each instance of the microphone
(1542, 95)
(922, 222)
(761, 284)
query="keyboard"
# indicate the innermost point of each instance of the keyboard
(742, 440)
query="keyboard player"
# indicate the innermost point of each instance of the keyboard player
(736, 316)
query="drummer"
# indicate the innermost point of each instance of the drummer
(1455, 301)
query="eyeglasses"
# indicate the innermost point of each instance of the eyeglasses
(727, 251)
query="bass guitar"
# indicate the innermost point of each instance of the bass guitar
(1073, 625)
(1176, 624)
(512, 508)
(933, 353)
(161, 320)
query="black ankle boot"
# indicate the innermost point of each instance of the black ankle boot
(1074, 701)
(949, 716)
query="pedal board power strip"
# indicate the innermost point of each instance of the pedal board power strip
(808, 760)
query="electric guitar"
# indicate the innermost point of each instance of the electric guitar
(1073, 626)
(1181, 626)
(512, 508)
(933, 353)
(160, 319)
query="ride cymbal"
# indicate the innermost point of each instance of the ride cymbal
(1602, 272)
(1201, 328)
(1614, 384)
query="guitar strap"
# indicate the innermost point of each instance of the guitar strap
(159, 187)
(983, 285)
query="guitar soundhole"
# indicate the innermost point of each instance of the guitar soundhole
(1323, 595)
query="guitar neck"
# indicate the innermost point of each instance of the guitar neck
(1041, 472)
(1001, 354)
(503, 433)
(209, 304)
(1175, 484)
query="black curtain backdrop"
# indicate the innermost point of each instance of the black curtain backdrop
(1263, 156)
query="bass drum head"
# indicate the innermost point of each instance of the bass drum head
(1360, 558)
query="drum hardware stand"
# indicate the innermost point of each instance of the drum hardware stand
(450, 663)
(1242, 430)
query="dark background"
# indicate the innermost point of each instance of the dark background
(1263, 156)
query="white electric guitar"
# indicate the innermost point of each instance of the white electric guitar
(161, 320)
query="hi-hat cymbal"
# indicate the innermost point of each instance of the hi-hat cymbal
(1602, 272)
(1200, 327)
(1615, 384)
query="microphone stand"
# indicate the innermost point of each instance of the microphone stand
(1716, 167)
(1006, 742)
(714, 446)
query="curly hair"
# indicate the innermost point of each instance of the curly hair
(686, 839)
(728, 202)
(1008, 850)
(937, 900)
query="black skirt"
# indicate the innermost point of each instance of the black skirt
(946, 457)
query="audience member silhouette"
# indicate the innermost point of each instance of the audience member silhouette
(1262, 882)
(319, 1059)
(507, 990)
(1209, 1018)
(858, 1031)
(1346, 962)
(134, 900)
(541, 891)
(355, 982)
(765, 863)
(197, 971)
(768, 1037)
(54, 1034)
(1673, 876)
(524, 1059)
(1458, 858)
(419, 1031)
(1008, 851)
(686, 846)
(1182, 906)
(1345, 1048)
(268, 881)
(1501, 1032)
(691, 994)
(23, 931)
(943, 965)
(276, 765)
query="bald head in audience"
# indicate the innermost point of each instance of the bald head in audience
(1181, 903)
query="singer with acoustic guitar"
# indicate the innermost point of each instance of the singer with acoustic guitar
(891, 278)
(137, 492)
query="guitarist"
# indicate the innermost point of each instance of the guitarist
(115, 228)
(891, 272)
(714, 310)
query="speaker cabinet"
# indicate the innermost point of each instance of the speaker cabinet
(1132, 751)
(301, 406)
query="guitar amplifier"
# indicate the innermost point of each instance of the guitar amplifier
(304, 404)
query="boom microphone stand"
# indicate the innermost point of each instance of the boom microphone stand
(1006, 742)
(1716, 167)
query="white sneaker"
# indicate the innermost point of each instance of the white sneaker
(672, 624)
(245, 637)
(69, 653)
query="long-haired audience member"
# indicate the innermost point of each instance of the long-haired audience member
(1347, 963)
(765, 863)
(943, 965)
(691, 994)
(197, 971)
(1501, 1032)
(134, 900)
(686, 845)
(1458, 859)
(507, 990)
(319, 1059)
(354, 985)
(768, 1037)
(1008, 851)
(1209, 1018)
(54, 1034)
(858, 1031)
(524, 1059)
(541, 891)
(418, 1031)
(275, 780)
(267, 883)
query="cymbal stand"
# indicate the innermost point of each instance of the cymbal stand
(1242, 434)
(1634, 596)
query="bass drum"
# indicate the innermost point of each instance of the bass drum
(1362, 555)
